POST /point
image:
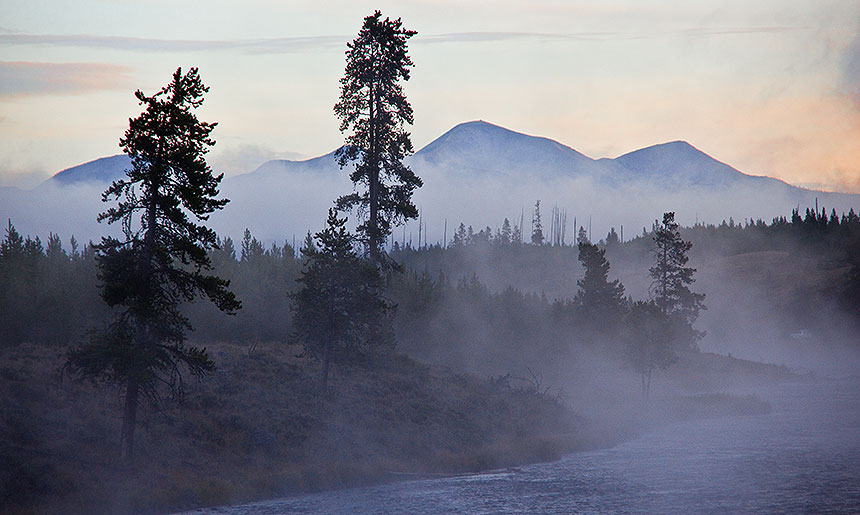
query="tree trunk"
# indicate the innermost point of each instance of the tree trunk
(129, 418)
(373, 183)
(664, 283)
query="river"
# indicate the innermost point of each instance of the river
(803, 457)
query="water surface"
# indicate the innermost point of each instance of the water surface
(803, 457)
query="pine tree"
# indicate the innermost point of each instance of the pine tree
(13, 286)
(460, 237)
(505, 235)
(648, 337)
(251, 249)
(517, 235)
(372, 105)
(338, 313)
(600, 300)
(161, 260)
(582, 236)
(537, 228)
(671, 280)
(12, 247)
(612, 238)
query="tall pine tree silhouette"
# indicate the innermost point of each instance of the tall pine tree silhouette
(338, 312)
(373, 107)
(671, 280)
(161, 260)
(599, 299)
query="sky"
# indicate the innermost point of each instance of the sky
(771, 87)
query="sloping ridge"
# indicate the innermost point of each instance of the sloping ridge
(103, 170)
(679, 163)
(322, 164)
(483, 146)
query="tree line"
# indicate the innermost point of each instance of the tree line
(51, 294)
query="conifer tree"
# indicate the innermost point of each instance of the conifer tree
(251, 249)
(671, 279)
(648, 341)
(373, 107)
(505, 235)
(161, 260)
(338, 311)
(582, 236)
(517, 235)
(460, 237)
(537, 228)
(13, 280)
(600, 300)
(612, 238)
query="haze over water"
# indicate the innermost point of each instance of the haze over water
(803, 457)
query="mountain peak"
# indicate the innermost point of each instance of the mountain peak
(483, 146)
(103, 170)
(479, 125)
(677, 148)
(678, 162)
(469, 133)
(678, 144)
(483, 129)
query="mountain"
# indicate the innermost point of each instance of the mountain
(679, 164)
(481, 147)
(102, 171)
(322, 165)
(476, 173)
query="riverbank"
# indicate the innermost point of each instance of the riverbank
(260, 427)
(800, 458)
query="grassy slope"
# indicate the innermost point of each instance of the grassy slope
(259, 428)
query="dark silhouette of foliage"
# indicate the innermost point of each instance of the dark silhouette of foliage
(161, 260)
(671, 279)
(460, 236)
(647, 338)
(509, 322)
(505, 236)
(582, 236)
(338, 314)
(46, 294)
(612, 238)
(600, 301)
(373, 107)
(537, 228)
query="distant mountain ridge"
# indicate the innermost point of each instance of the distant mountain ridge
(476, 173)
(102, 170)
(680, 163)
(482, 147)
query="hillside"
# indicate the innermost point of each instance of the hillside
(494, 376)
(102, 171)
(260, 427)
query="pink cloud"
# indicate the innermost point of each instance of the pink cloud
(24, 78)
